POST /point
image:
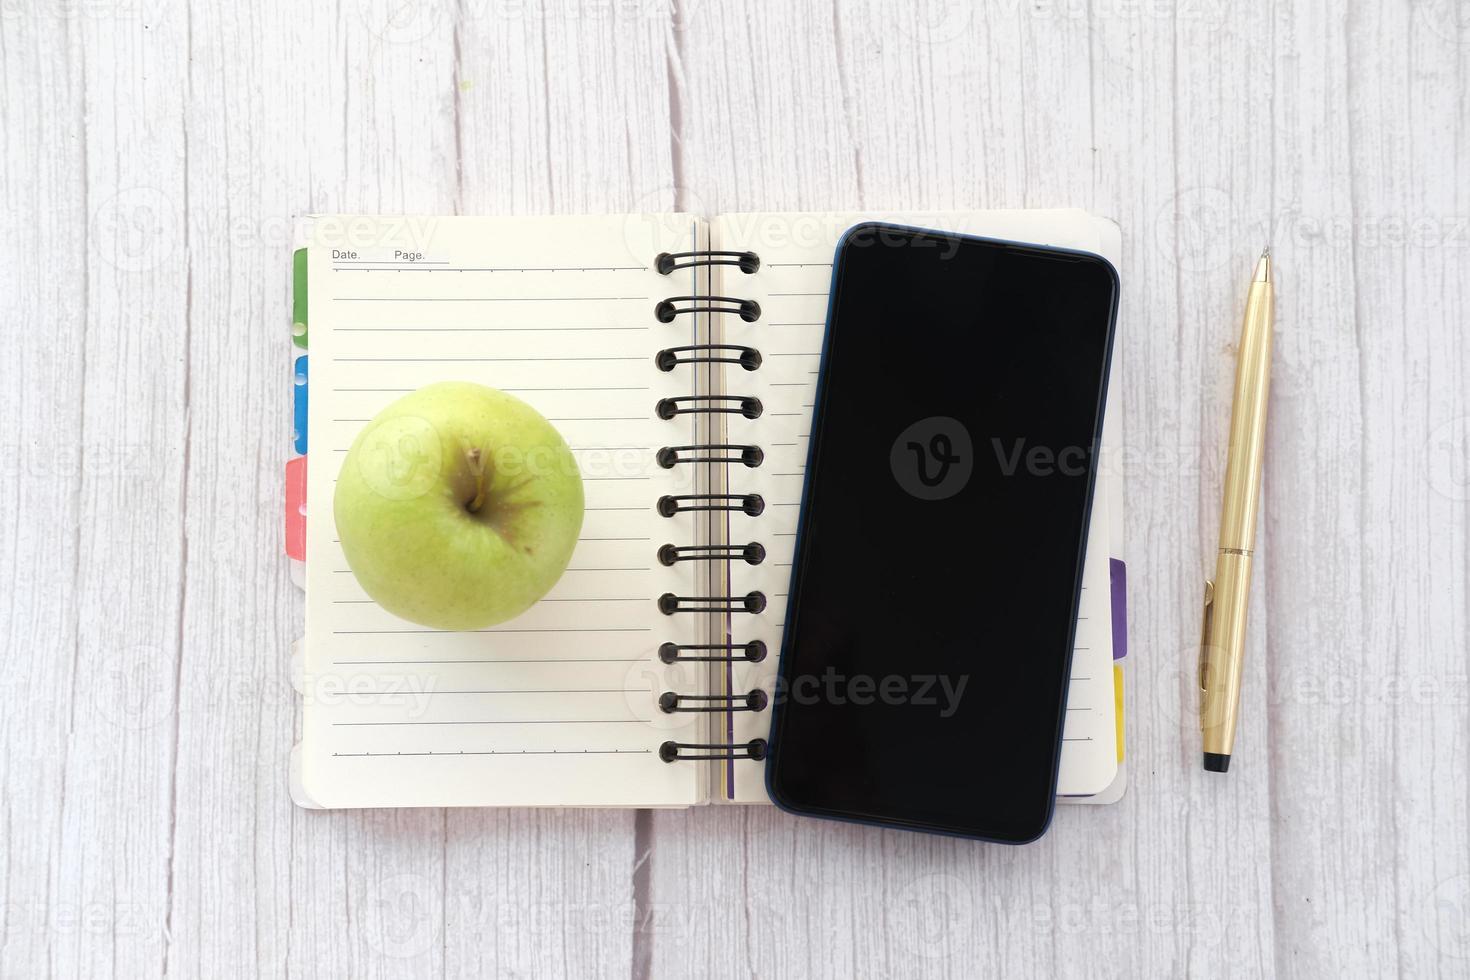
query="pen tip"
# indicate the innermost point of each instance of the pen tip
(1263, 266)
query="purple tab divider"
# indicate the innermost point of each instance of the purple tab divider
(1118, 576)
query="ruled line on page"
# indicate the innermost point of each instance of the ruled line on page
(463, 358)
(552, 629)
(576, 388)
(351, 265)
(536, 660)
(570, 752)
(488, 299)
(559, 690)
(494, 721)
(630, 568)
(635, 598)
(640, 598)
(580, 388)
(602, 329)
(579, 450)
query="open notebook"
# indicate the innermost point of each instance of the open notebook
(569, 704)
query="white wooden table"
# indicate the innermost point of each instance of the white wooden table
(155, 152)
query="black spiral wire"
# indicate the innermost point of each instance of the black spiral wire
(750, 504)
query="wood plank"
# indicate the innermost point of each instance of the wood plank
(1336, 915)
(1369, 706)
(263, 123)
(44, 265)
(1209, 230)
(97, 638)
(559, 111)
(1417, 387)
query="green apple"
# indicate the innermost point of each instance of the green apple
(458, 506)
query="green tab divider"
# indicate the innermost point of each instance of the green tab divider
(298, 298)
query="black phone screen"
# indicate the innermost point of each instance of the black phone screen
(928, 642)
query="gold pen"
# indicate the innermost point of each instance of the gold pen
(1222, 643)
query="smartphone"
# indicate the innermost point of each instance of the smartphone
(934, 591)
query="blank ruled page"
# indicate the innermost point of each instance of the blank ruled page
(558, 706)
(796, 251)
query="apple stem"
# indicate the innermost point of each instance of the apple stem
(477, 467)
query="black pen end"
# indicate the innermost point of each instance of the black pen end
(1216, 762)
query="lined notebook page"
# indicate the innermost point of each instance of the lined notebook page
(791, 285)
(557, 707)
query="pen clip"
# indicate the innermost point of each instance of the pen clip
(1204, 639)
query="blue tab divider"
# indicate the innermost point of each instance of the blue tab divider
(300, 413)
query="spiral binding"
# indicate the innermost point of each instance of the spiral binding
(671, 605)
(669, 702)
(747, 309)
(724, 452)
(671, 357)
(751, 504)
(748, 406)
(667, 262)
(752, 554)
(674, 751)
(673, 653)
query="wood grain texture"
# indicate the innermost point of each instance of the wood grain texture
(155, 153)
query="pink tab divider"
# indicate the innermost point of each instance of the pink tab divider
(296, 508)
